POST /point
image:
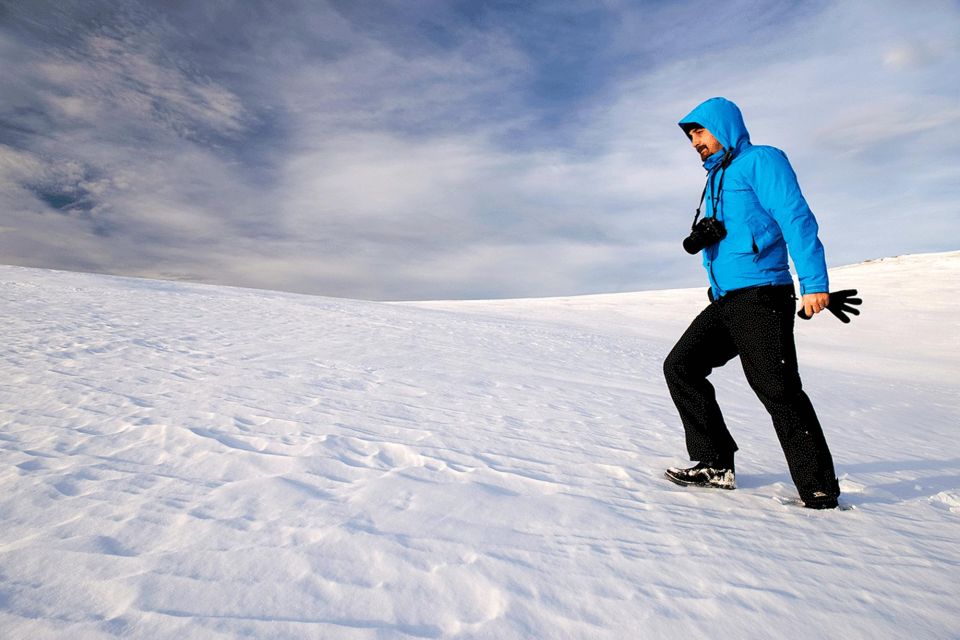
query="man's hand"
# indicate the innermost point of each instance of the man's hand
(814, 303)
(842, 304)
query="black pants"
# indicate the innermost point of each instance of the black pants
(757, 325)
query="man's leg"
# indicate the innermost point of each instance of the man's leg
(704, 346)
(761, 325)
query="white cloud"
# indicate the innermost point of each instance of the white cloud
(915, 54)
(131, 81)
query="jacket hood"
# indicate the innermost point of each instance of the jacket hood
(722, 118)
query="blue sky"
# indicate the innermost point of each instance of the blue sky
(404, 149)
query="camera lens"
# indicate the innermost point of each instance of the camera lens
(691, 244)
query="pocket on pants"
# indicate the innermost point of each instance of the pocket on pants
(779, 299)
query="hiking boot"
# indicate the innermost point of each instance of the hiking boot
(820, 500)
(704, 474)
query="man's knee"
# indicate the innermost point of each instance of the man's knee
(676, 368)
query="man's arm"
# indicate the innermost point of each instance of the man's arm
(777, 188)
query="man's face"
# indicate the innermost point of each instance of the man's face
(704, 142)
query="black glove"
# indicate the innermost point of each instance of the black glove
(841, 303)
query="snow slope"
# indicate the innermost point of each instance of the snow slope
(185, 461)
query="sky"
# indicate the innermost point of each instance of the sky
(450, 149)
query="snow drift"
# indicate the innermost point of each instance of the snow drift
(186, 461)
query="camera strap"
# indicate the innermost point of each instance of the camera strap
(724, 163)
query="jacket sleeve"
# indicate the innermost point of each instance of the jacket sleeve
(776, 186)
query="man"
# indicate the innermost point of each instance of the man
(752, 192)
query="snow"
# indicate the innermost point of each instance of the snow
(186, 461)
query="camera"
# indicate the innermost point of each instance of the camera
(705, 233)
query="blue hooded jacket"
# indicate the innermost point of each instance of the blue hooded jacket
(761, 207)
